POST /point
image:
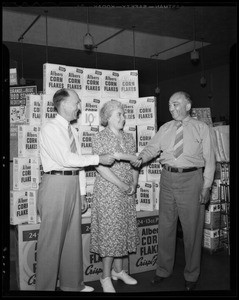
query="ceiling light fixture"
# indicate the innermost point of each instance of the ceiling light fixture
(157, 89)
(203, 80)
(88, 39)
(22, 79)
(194, 55)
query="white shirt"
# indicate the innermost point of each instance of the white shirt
(55, 150)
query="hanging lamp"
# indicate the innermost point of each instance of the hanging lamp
(157, 89)
(194, 55)
(203, 80)
(22, 79)
(88, 39)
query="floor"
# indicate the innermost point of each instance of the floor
(214, 279)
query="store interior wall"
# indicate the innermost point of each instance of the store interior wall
(214, 95)
(65, 37)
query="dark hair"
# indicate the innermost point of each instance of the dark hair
(59, 96)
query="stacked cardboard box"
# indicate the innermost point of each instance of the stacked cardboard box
(146, 256)
(94, 87)
(217, 213)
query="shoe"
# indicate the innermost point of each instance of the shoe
(107, 285)
(190, 285)
(87, 289)
(157, 280)
(123, 276)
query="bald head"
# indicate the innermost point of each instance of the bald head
(67, 104)
(180, 105)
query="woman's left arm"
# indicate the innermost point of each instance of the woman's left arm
(107, 174)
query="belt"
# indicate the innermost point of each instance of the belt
(179, 170)
(74, 172)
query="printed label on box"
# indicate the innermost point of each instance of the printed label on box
(92, 84)
(130, 111)
(48, 109)
(54, 78)
(26, 239)
(145, 258)
(154, 169)
(33, 109)
(90, 111)
(143, 174)
(18, 107)
(21, 173)
(85, 135)
(146, 111)
(129, 85)
(74, 79)
(18, 207)
(28, 143)
(145, 196)
(144, 135)
(110, 84)
(90, 173)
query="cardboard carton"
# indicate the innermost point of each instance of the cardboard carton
(145, 258)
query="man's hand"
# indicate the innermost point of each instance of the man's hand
(205, 196)
(124, 156)
(136, 163)
(84, 204)
(106, 159)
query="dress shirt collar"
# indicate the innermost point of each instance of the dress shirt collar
(184, 121)
(62, 121)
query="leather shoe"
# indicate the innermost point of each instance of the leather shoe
(87, 289)
(157, 280)
(190, 285)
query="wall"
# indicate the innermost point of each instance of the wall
(217, 78)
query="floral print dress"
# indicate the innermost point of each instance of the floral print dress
(113, 214)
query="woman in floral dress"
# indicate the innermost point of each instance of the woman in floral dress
(114, 230)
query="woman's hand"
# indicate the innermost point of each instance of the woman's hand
(131, 190)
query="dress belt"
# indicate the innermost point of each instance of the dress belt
(179, 170)
(67, 172)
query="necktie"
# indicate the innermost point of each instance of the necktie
(72, 140)
(178, 145)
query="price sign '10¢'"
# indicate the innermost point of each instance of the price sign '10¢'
(90, 118)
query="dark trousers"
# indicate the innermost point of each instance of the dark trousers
(179, 197)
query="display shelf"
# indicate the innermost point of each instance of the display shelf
(224, 233)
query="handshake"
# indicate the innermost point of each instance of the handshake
(108, 159)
